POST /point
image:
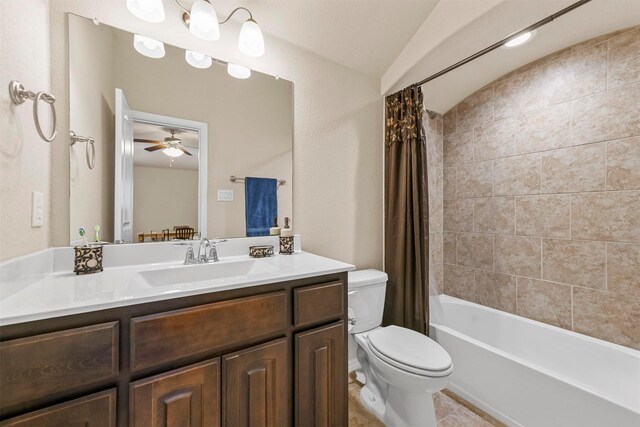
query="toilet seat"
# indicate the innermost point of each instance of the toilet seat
(410, 351)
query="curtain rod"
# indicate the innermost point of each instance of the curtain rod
(495, 46)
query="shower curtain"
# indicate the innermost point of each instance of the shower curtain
(406, 212)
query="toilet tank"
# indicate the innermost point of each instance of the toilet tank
(366, 298)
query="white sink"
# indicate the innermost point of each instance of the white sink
(204, 272)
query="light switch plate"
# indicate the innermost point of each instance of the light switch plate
(37, 209)
(225, 195)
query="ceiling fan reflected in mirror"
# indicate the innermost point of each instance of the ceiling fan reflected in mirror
(170, 146)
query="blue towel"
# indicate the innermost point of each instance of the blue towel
(261, 205)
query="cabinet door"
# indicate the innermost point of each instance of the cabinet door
(187, 397)
(321, 377)
(256, 386)
(96, 410)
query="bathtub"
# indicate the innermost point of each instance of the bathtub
(527, 373)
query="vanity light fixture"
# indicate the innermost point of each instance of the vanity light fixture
(197, 59)
(147, 10)
(148, 46)
(202, 21)
(520, 39)
(238, 71)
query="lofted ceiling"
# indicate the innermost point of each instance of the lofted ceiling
(364, 35)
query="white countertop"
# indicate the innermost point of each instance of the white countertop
(61, 293)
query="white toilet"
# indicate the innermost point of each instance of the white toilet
(402, 368)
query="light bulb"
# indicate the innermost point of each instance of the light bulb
(203, 21)
(173, 152)
(238, 71)
(197, 59)
(251, 41)
(147, 10)
(519, 40)
(148, 46)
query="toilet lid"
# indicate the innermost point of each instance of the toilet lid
(405, 348)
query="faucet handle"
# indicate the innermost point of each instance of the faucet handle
(190, 256)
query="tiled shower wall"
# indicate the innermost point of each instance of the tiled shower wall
(541, 188)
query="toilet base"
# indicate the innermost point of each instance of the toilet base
(372, 402)
(405, 409)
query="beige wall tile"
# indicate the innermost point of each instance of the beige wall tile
(611, 216)
(623, 164)
(434, 149)
(449, 121)
(517, 175)
(436, 215)
(475, 250)
(608, 316)
(449, 183)
(519, 93)
(435, 248)
(517, 255)
(543, 216)
(494, 140)
(496, 290)
(623, 268)
(544, 129)
(546, 302)
(475, 110)
(434, 125)
(458, 148)
(614, 114)
(474, 180)
(458, 282)
(435, 184)
(624, 58)
(494, 215)
(579, 72)
(449, 248)
(575, 262)
(458, 215)
(436, 278)
(573, 170)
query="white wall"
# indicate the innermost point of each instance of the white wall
(24, 157)
(337, 191)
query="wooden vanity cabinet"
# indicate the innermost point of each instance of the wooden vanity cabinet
(268, 356)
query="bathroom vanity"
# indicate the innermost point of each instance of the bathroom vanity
(268, 350)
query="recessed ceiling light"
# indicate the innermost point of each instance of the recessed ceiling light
(520, 40)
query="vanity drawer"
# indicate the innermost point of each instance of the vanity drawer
(317, 303)
(96, 410)
(165, 337)
(52, 364)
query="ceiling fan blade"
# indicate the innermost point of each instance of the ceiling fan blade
(184, 151)
(151, 141)
(156, 147)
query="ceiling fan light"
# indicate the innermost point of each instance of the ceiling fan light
(147, 46)
(197, 59)
(173, 152)
(147, 10)
(251, 41)
(203, 21)
(238, 71)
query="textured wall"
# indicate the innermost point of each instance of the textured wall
(433, 130)
(24, 157)
(541, 191)
(337, 155)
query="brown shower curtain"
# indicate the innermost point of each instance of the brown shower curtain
(406, 212)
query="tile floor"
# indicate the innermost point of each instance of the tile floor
(451, 411)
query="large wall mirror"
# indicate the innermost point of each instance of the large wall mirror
(158, 141)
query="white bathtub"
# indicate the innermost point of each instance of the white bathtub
(527, 373)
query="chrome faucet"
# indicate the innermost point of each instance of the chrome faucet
(203, 256)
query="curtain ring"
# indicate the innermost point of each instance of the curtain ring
(49, 99)
(91, 159)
